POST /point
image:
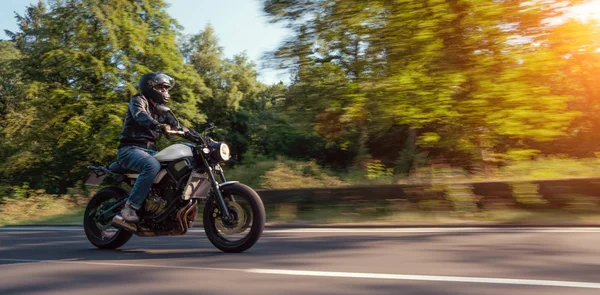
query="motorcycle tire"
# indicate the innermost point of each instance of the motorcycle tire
(249, 214)
(94, 230)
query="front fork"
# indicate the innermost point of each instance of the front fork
(225, 214)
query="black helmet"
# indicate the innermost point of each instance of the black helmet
(151, 83)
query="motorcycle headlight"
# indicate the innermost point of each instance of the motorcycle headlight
(219, 151)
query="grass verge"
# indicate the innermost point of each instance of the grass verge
(42, 209)
(286, 214)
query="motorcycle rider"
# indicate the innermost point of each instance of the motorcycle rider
(141, 129)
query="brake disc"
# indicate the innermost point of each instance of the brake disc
(236, 226)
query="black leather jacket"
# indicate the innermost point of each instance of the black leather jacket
(141, 126)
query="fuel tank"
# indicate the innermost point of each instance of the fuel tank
(174, 152)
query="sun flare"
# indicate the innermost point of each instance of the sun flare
(586, 11)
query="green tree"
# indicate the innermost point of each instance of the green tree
(82, 60)
(233, 85)
(11, 84)
(11, 92)
(579, 46)
(453, 79)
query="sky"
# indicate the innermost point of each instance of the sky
(239, 24)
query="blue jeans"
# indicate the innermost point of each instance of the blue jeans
(141, 160)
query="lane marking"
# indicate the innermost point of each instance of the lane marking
(360, 275)
(437, 230)
(356, 275)
(363, 230)
(119, 264)
(41, 228)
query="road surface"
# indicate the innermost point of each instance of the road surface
(446, 261)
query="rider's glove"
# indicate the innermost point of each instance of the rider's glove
(164, 128)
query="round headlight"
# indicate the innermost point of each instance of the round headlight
(219, 151)
(224, 151)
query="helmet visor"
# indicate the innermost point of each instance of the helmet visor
(163, 81)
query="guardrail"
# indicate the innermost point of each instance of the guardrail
(533, 194)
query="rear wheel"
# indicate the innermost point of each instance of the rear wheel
(247, 224)
(98, 230)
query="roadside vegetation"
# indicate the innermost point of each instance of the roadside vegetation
(29, 206)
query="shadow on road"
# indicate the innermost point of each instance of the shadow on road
(451, 253)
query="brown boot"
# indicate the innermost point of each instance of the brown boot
(129, 214)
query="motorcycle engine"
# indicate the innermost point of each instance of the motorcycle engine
(165, 196)
(155, 204)
(160, 196)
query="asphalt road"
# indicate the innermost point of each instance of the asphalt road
(308, 261)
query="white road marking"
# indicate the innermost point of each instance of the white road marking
(438, 230)
(117, 264)
(356, 275)
(362, 230)
(360, 275)
(41, 228)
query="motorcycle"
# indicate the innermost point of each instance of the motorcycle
(233, 215)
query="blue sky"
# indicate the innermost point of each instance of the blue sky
(239, 24)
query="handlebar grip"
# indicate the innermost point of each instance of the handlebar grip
(174, 132)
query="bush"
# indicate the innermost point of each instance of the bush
(250, 174)
(37, 205)
(376, 170)
(550, 167)
(298, 175)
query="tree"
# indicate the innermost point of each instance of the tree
(11, 84)
(453, 79)
(233, 88)
(82, 60)
(579, 73)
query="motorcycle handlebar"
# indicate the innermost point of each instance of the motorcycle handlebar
(175, 132)
(188, 135)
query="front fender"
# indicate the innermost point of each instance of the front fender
(224, 184)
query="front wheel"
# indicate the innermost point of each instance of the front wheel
(99, 231)
(247, 224)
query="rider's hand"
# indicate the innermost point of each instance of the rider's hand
(164, 128)
(191, 134)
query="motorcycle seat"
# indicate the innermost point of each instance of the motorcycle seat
(114, 167)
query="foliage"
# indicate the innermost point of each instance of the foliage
(237, 102)
(376, 170)
(80, 61)
(38, 206)
(551, 167)
(298, 175)
(455, 80)
(381, 90)
(251, 174)
(262, 173)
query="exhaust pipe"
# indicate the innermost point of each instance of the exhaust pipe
(122, 223)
